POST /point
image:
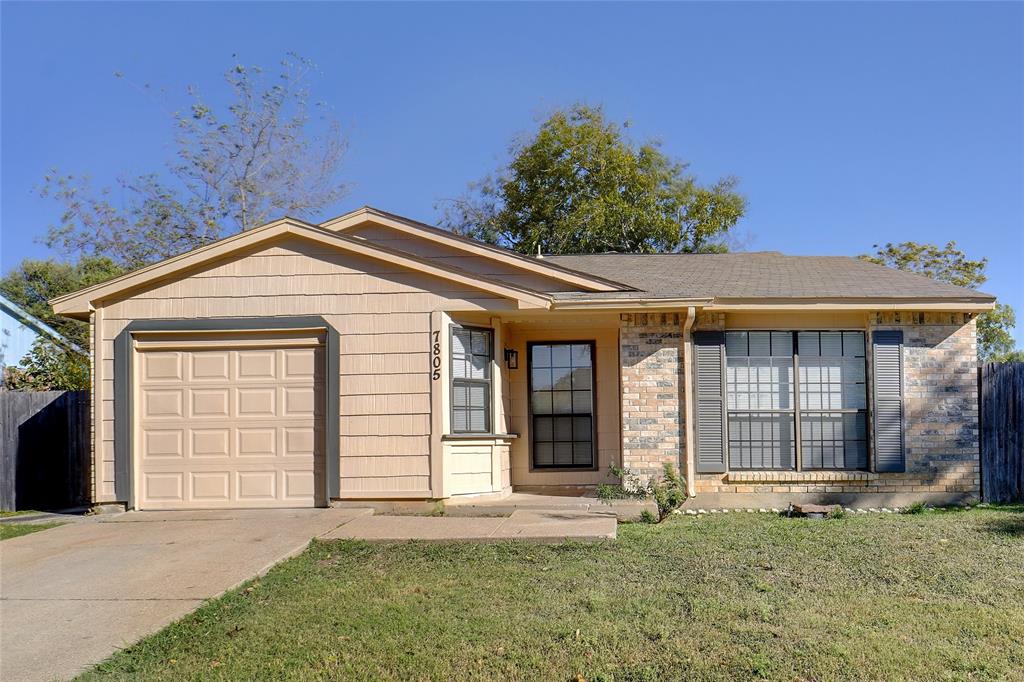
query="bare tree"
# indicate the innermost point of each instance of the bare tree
(262, 157)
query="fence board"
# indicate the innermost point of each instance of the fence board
(45, 459)
(1002, 431)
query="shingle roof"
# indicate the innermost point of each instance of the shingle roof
(759, 275)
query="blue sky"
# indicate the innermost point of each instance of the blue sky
(848, 124)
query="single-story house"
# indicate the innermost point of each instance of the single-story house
(372, 357)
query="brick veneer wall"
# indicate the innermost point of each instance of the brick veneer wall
(650, 356)
(940, 425)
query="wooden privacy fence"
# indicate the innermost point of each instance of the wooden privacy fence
(1001, 411)
(44, 463)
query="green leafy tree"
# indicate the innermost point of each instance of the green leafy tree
(32, 283)
(51, 365)
(580, 185)
(260, 157)
(950, 264)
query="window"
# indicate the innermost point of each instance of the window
(833, 400)
(759, 399)
(778, 382)
(562, 404)
(471, 379)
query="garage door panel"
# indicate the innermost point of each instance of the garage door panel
(257, 485)
(298, 364)
(211, 443)
(257, 442)
(256, 365)
(164, 487)
(298, 401)
(209, 366)
(164, 443)
(162, 367)
(209, 402)
(299, 441)
(239, 427)
(257, 402)
(298, 485)
(162, 404)
(211, 486)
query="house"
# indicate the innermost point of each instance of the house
(19, 330)
(372, 357)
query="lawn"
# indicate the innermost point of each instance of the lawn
(932, 596)
(15, 530)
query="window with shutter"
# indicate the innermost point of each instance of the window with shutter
(792, 400)
(472, 353)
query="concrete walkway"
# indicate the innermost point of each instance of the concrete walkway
(522, 525)
(71, 596)
(623, 510)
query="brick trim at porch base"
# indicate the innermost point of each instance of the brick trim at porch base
(800, 476)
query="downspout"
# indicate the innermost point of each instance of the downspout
(691, 484)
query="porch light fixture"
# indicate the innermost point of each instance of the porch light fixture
(511, 358)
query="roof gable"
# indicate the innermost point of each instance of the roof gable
(80, 303)
(470, 247)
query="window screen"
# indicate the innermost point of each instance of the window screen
(833, 400)
(562, 404)
(471, 380)
(759, 399)
(763, 406)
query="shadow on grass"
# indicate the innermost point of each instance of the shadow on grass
(1011, 524)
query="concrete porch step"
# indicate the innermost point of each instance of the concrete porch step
(551, 525)
(622, 510)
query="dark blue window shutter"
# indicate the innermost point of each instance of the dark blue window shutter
(709, 395)
(887, 348)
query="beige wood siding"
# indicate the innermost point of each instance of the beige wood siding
(382, 312)
(603, 329)
(446, 255)
(469, 467)
(476, 467)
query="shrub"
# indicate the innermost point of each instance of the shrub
(916, 508)
(668, 490)
(628, 487)
(837, 512)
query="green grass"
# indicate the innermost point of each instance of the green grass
(15, 530)
(8, 514)
(931, 596)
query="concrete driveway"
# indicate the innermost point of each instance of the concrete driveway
(71, 596)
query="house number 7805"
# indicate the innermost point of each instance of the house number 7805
(435, 356)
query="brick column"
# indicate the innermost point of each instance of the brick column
(651, 375)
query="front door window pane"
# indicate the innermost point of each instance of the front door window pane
(562, 405)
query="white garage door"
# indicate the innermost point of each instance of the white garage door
(226, 426)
